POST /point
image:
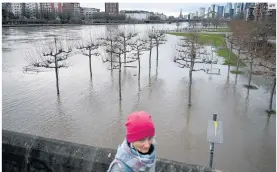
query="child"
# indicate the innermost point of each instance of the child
(138, 151)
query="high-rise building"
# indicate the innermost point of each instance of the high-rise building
(220, 11)
(227, 10)
(57, 7)
(111, 8)
(202, 11)
(235, 8)
(238, 8)
(17, 9)
(231, 15)
(242, 8)
(45, 8)
(260, 12)
(213, 10)
(247, 4)
(31, 9)
(250, 13)
(181, 15)
(71, 8)
(209, 10)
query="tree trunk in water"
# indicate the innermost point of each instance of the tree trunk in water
(138, 71)
(238, 60)
(150, 57)
(57, 76)
(229, 56)
(90, 63)
(138, 67)
(237, 66)
(250, 73)
(57, 69)
(157, 59)
(190, 82)
(271, 94)
(124, 44)
(119, 78)
(111, 56)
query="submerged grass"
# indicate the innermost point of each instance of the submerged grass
(217, 40)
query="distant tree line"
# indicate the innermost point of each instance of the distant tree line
(49, 17)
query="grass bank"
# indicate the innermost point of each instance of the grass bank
(217, 30)
(216, 40)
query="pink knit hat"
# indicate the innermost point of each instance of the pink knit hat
(139, 125)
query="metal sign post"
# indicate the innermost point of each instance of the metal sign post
(214, 135)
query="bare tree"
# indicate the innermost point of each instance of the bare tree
(239, 34)
(118, 49)
(268, 62)
(189, 52)
(52, 55)
(150, 45)
(108, 42)
(126, 36)
(139, 46)
(159, 38)
(230, 40)
(256, 46)
(88, 49)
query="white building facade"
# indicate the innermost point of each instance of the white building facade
(46, 7)
(88, 12)
(17, 9)
(137, 16)
(31, 9)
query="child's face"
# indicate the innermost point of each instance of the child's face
(143, 145)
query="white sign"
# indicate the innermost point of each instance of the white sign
(215, 132)
(271, 6)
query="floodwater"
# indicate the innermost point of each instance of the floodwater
(89, 112)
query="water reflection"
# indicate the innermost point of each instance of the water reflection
(112, 78)
(64, 121)
(188, 112)
(246, 104)
(154, 84)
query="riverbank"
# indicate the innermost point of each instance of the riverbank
(36, 25)
(55, 24)
(218, 41)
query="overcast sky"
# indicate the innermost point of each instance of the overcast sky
(166, 8)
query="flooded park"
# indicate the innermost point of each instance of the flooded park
(88, 109)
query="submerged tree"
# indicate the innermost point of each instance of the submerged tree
(268, 62)
(256, 47)
(52, 55)
(118, 49)
(108, 43)
(231, 41)
(139, 46)
(239, 33)
(88, 49)
(189, 53)
(125, 36)
(159, 38)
